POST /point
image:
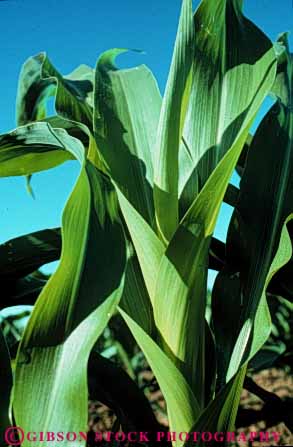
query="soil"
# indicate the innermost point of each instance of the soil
(278, 381)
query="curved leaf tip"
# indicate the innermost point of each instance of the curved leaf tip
(107, 60)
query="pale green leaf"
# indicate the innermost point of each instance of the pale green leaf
(33, 148)
(127, 107)
(264, 204)
(231, 75)
(39, 80)
(148, 247)
(220, 414)
(182, 407)
(172, 117)
(71, 312)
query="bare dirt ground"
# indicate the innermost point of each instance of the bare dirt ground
(102, 419)
(280, 383)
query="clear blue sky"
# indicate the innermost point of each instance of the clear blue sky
(74, 32)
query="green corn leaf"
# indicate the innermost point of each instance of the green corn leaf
(109, 383)
(256, 327)
(183, 270)
(5, 388)
(282, 88)
(227, 61)
(231, 196)
(78, 131)
(73, 92)
(141, 273)
(19, 260)
(33, 91)
(253, 237)
(25, 254)
(72, 310)
(220, 414)
(185, 260)
(282, 282)
(172, 117)
(135, 300)
(127, 107)
(181, 278)
(126, 114)
(150, 250)
(183, 408)
(33, 148)
(138, 143)
(22, 291)
(148, 246)
(39, 80)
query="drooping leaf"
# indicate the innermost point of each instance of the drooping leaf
(76, 130)
(25, 254)
(39, 80)
(72, 310)
(33, 148)
(33, 91)
(19, 260)
(21, 291)
(74, 92)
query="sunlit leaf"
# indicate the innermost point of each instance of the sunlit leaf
(33, 148)
(182, 405)
(39, 80)
(172, 118)
(264, 204)
(227, 61)
(127, 107)
(71, 311)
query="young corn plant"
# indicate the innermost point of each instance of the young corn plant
(137, 229)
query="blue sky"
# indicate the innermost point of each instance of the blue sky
(77, 32)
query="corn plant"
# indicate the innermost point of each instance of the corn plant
(137, 229)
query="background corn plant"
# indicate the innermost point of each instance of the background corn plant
(137, 229)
